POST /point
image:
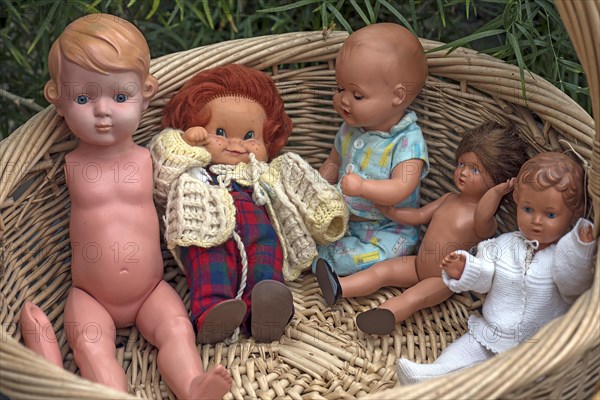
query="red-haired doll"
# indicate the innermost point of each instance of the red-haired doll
(237, 220)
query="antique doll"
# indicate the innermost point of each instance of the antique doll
(238, 220)
(530, 276)
(100, 84)
(487, 158)
(379, 154)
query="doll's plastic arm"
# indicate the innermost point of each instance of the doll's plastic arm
(330, 168)
(572, 267)
(485, 221)
(38, 334)
(404, 181)
(195, 136)
(413, 216)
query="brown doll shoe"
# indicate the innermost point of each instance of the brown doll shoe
(219, 322)
(272, 309)
(328, 282)
(378, 321)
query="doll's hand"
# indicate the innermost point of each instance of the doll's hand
(505, 187)
(454, 265)
(196, 136)
(352, 185)
(585, 234)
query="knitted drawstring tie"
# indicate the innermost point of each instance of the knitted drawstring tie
(225, 174)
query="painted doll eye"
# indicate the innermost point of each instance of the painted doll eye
(461, 165)
(220, 132)
(551, 215)
(82, 99)
(527, 210)
(120, 97)
(475, 171)
(358, 96)
(249, 135)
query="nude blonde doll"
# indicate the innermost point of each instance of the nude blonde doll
(487, 158)
(100, 84)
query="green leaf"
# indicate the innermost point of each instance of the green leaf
(397, 14)
(287, 7)
(45, 23)
(359, 11)
(512, 40)
(208, 14)
(155, 4)
(372, 16)
(339, 17)
(468, 39)
(442, 14)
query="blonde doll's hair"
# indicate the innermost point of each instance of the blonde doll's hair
(102, 43)
(556, 170)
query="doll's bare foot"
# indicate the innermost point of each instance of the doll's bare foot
(219, 322)
(211, 385)
(272, 309)
(328, 282)
(378, 321)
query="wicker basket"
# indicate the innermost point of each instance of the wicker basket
(322, 354)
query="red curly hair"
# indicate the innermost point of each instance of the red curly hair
(187, 108)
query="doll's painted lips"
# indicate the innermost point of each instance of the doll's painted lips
(103, 128)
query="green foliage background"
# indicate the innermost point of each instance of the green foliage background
(527, 33)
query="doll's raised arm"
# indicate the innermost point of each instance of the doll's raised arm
(485, 222)
(572, 268)
(405, 179)
(330, 168)
(171, 156)
(413, 216)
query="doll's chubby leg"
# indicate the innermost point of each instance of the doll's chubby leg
(398, 272)
(465, 352)
(91, 334)
(164, 322)
(38, 333)
(426, 293)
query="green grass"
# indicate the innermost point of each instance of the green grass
(527, 33)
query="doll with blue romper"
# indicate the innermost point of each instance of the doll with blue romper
(379, 155)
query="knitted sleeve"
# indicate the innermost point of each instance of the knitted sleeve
(479, 270)
(171, 156)
(572, 269)
(198, 214)
(320, 204)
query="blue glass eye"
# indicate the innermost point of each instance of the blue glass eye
(475, 171)
(461, 165)
(551, 215)
(527, 209)
(220, 132)
(82, 99)
(249, 135)
(120, 97)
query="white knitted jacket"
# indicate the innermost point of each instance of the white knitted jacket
(304, 209)
(523, 296)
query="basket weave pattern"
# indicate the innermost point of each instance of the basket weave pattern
(322, 354)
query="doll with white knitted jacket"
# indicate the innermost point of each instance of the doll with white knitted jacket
(531, 276)
(239, 220)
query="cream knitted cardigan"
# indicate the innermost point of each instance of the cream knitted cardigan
(305, 210)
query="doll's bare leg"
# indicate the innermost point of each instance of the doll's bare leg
(396, 272)
(91, 334)
(427, 293)
(164, 322)
(38, 334)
